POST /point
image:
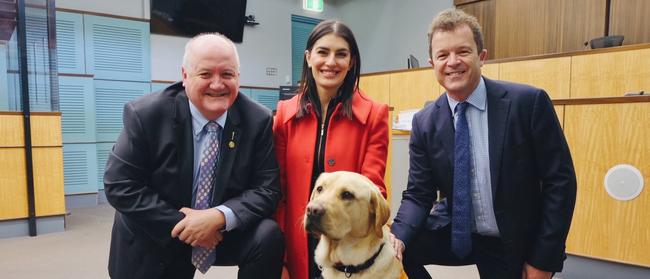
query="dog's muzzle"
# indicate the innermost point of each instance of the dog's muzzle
(315, 214)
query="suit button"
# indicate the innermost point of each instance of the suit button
(331, 162)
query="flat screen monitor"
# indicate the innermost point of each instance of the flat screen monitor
(412, 62)
(188, 18)
(287, 92)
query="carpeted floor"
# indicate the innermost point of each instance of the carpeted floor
(82, 252)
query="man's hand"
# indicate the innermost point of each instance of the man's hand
(398, 245)
(530, 272)
(200, 227)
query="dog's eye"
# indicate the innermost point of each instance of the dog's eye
(319, 189)
(347, 195)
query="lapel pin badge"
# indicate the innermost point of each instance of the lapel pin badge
(231, 143)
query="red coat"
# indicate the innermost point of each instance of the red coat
(359, 144)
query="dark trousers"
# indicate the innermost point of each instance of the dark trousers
(258, 252)
(434, 247)
(314, 270)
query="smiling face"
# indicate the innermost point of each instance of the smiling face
(329, 60)
(456, 61)
(211, 75)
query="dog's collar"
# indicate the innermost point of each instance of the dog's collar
(351, 269)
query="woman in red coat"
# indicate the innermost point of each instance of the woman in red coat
(330, 126)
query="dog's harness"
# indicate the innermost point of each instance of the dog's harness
(352, 269)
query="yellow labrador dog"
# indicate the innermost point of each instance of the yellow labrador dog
(349, 213)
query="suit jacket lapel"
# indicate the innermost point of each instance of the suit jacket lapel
(228, 146)
(184, 146)
(443, 119)
(498, 109)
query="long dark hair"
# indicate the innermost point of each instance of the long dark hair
(350, 84)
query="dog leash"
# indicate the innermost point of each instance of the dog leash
(351, 269)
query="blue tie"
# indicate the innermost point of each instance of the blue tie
(461, 241)
(202, 258)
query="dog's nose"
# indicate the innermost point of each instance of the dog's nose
(315, 210)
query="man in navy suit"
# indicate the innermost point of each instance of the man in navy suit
(159, 172)
(521, 184)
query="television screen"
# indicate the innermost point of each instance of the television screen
(188, 18)
(412, 62)
(287, 92)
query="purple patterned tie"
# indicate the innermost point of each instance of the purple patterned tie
(461, 239)
(202, 258)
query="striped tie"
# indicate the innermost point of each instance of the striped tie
(202, 258)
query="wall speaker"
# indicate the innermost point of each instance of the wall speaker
(623, 182)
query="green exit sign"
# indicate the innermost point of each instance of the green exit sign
(313, 5)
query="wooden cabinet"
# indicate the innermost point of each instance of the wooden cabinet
(516, 28)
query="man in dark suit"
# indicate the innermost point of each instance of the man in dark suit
(496, 153)
(193, 176)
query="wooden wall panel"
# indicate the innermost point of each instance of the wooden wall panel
(552, 75)
(11, 129)
(46, 130)
(48, 166)
(48, 181)
(376, 87)
(559, 111)
(490, 71)
(610, 74)
(389, 160)
(580, 21)
(600, 137)
(515, 28)
(441, 90)
(484, 12)
(13, 185)
(525, 28)
(531, 27)
(409, 90)
(631, 19)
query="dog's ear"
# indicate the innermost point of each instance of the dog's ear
(381, 212)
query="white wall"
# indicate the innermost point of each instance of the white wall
(387, 31)
(265, 45)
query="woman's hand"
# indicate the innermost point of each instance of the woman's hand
(285, 273)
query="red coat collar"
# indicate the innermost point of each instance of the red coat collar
(361, 107)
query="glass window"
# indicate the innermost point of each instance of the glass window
(40, 54)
